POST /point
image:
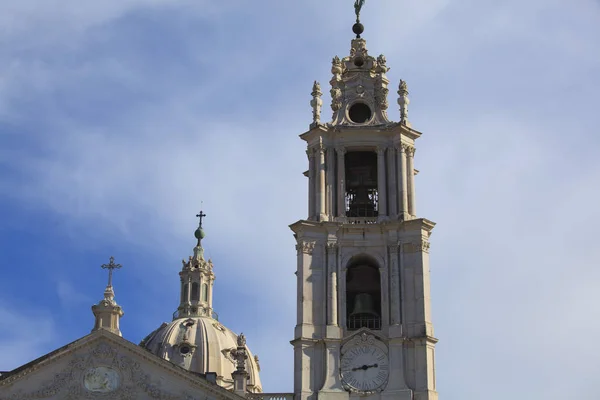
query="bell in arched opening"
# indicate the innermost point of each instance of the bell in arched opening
(363, 305)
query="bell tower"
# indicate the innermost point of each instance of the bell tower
(363, 294)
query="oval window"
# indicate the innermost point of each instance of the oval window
(359, 113)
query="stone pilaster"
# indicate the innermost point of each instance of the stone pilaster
(311, 183)
(321, 196)
(412, 203)
(402, 182)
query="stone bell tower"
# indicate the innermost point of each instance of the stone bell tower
(363, 307)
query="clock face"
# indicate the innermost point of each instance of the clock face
(364, 368)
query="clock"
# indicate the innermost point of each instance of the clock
(364, 369)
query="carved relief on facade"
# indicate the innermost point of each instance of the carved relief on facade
(103, 373)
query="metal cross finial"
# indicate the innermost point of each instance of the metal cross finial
(111, 266)
(200, 215)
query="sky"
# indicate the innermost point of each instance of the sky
(118, 118)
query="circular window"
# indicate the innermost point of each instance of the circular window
(359, 113)
(184, 349)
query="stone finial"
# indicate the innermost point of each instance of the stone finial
(240, 375)
(316, 103)
(336, 66)
(107, 312)
(403, 102)
(241, 340)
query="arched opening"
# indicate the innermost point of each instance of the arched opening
(184, 293)
(195, 291)
(363, 295)
(361, 184)
(204, 292)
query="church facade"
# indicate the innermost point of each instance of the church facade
(363, 328)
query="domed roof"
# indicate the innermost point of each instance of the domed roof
(201, 344)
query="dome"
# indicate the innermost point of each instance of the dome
(201, 345)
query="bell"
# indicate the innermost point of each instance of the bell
(363, 304)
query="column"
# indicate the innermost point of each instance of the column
(392, 191)
(395, 317)
(330, 182)
(412, 209)
(311, 183)
(381, 184)
(341, 181)
(402, 181)
(322, 212)
(211, 282)
(189, 291)
(332, 298)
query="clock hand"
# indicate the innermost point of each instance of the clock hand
(365, 367)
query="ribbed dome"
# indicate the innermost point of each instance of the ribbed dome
(201, 344)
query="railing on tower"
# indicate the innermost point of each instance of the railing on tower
(270, 396)
(357, 322)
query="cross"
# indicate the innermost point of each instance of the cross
(110, 266)
(200, 215)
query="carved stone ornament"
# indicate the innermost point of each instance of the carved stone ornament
(103, 373)
(306, 247)
(336, 66)
(423, 246)
(101, 379)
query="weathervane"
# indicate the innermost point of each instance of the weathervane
(111, 266)
(358, 28)
(358, 4)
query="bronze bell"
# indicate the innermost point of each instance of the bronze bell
(363, 304)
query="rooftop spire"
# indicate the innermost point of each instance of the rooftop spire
(199, 234)
(197, 280)
(107, 312)
(358, 28)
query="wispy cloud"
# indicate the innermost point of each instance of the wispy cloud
(120, 117)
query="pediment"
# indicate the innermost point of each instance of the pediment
(105, 366)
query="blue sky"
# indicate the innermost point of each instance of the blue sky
(118, 117)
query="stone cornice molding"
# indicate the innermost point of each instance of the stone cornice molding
(420, 339)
